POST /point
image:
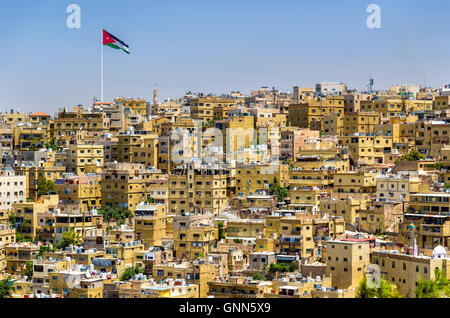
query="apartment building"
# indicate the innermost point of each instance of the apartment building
(13, 189)
(69, 123)
(202, 108)
(197, 187)
(238, 287)
(81, 190)
(26, 214)
(195, 272)
(150, 224)
(428, 212)
(347, 261)
(124, 185)
(138, 106)
(251, 179)
(396, 187)
(193, 235)
(84, 159)
(367, 148)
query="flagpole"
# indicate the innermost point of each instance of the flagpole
(101, 43)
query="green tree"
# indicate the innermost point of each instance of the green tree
(131, 272)
(385, 290)
(438, 287)
(282, 267)
(292, 267)
(280, 192)
(12, 219)
(69, 238)
(20, 238)
(29, 269)
(116, 214)
(45, 248)
(51, 145)
(220, 230)
(6, 288)
(258, 276)
(364, 291)
(413, 155)
(45, 187)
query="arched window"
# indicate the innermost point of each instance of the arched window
(417, 268)
(425, 270)
(404, 266)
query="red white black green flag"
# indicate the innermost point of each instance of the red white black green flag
(114, 42)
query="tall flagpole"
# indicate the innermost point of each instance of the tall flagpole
(101, 43)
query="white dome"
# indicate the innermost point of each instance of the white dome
(439, 252)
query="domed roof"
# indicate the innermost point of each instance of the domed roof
(439, 252)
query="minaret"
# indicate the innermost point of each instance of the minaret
(155, 96)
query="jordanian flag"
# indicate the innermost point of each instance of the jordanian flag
(111, 41)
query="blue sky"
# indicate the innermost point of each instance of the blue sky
(214, 46)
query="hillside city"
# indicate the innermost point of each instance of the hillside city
(324, 192)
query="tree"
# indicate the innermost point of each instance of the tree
(29, 269)
(258, 276)
(131, 272)
(438, 287)
(45, 187)
(292, 267)
(6, 288)
(364, 291)
(20, 238)
(281, 192)
(282, 267)
(36, 144)
(12, 219)
(51, 145)
(220, 230)
(116, 214)
(385, 290)
(69, 238)
(45, 248)
(413, 155)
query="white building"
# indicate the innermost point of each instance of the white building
(12, 190)
(328, 88)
